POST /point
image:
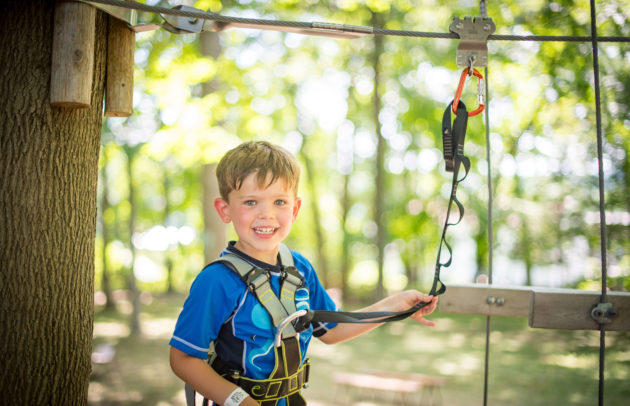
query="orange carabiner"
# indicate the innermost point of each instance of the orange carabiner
(460, 87)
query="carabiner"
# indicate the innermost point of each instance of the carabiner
(460, 87)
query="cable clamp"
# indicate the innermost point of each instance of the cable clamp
(473, 45)
(604, 313)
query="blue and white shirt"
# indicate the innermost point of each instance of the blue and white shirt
(222, 310)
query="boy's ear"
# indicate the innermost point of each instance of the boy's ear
(222, 209)
(296, 207)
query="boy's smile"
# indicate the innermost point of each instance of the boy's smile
(262, 216)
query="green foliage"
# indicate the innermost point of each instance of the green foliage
(314, 95)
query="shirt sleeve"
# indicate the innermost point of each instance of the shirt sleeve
(214, 295)
(319, 298)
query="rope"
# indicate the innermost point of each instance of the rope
(602, 210)
(490, 237)
(349, 28)
(483, 12)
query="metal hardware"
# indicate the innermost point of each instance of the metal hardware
(460, 88)
(473, 33)
(183, 25)
(285, 323)
(127, 15)
(499, 301)
(604, 313)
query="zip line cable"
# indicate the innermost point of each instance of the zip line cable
(360, 30)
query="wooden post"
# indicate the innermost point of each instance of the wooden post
(121, 43)
(72, 55)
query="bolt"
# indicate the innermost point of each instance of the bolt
(459, 26)
(486, 27)
(192, 21)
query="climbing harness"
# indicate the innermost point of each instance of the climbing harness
(289, 374)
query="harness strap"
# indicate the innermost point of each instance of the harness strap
(285, 381)
(258, 282)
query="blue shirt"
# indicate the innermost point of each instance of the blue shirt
(222, 310)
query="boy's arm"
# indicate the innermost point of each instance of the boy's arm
(202, 378)
(395, 303)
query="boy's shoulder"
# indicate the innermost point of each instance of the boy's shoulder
(217, 273)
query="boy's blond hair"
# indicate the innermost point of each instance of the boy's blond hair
(260, 157)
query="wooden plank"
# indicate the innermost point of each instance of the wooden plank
(570, 309)
(121, 44)
(72, 55)
(489, 300)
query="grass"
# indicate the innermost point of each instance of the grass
(527, 366)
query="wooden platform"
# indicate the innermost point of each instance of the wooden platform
(550, 308)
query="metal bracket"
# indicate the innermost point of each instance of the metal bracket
(129, 16)
(604, 313)
(183, 25)
(473, 45)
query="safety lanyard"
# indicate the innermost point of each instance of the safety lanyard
(453, 136)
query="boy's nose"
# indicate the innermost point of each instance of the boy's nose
(266, 211)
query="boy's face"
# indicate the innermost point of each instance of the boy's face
(262, 218)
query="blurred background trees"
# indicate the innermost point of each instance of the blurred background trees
(363, 117)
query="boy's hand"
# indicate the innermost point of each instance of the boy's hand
(410, 298)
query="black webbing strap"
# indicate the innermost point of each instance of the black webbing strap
(453, 136)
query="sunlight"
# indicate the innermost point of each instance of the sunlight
(571, 360)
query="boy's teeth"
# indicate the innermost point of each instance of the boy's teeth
(264, 230)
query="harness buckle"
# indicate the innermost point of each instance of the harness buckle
(284, 323)
(289, 275)
(257, 278)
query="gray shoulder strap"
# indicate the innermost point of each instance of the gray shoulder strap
(257, 281)
(285, 255)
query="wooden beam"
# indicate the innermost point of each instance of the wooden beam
(121, 44)
(568, 309)
(571, 309)
(489, 300)
(72, 55)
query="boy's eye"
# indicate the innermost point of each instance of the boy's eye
(250, 203)
(280, 202)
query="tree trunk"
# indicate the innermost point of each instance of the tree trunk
(168, 262)
(214, 228)
(322, 269)
(48, 184)
(133, 285)
(105, 285)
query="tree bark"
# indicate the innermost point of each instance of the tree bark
(48, 183)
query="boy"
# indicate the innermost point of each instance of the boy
(258, 184)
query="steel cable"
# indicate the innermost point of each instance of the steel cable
(350, 28)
